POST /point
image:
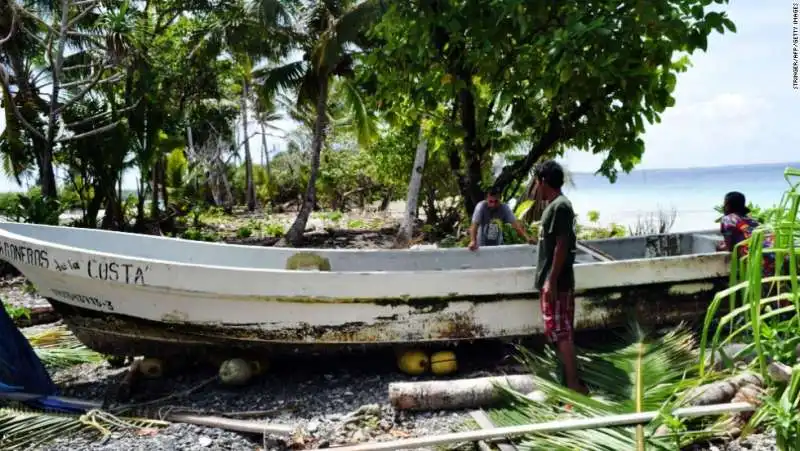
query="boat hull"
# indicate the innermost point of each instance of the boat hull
(454, 320)
(119, 299)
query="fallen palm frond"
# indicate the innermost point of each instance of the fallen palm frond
(649, 374)
(24, 429)
(57, 348)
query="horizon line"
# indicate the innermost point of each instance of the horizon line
(690, 168)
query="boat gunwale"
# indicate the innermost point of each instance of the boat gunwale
(279, 271)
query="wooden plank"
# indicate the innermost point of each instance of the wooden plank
(484, 422)
(602, 256)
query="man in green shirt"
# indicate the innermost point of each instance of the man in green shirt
(555, 278)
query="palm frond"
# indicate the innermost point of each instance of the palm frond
(350, 26)
(24, 429)
(644, 375)
(364, 122)
(58, 348)
(287, 76)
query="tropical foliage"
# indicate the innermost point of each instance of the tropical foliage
(177, 93)
(640, 372)
(180, 93)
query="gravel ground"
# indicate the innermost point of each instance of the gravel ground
(334, 399)
(15, 292)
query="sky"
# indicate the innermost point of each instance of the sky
(735, 105)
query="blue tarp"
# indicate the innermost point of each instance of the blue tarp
(21, 371)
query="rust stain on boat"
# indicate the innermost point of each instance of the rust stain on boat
(461, 326)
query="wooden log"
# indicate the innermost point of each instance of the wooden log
(721, 391)
(743, 387)
(127, 385)
(455, 394)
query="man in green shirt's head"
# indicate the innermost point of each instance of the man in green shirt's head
(555, 279)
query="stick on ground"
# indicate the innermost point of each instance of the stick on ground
(573, 424)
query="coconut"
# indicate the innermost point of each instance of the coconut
(235, 372)
(413, 362)
(443, 362)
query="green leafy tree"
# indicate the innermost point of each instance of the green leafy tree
(554, 74)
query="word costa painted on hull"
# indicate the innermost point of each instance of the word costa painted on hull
(86, 300)
(24, 254)
(116, 272)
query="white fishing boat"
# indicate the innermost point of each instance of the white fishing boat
(128, 294)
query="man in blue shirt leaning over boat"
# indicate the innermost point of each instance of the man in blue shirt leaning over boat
(487, 220)
(555, 278)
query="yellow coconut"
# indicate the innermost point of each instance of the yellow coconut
(413, 362)
(235, 372)
(151, 367)
(443, 362)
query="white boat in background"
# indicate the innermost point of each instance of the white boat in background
(128, 294)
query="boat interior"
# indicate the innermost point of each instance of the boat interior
(355, 260)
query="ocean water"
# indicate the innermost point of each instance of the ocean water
(692, 193)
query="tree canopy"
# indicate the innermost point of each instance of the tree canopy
(176, 90)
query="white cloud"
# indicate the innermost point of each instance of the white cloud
(730, 106)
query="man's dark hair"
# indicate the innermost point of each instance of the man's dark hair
(736, 203)
(494, 191)
(551, 173)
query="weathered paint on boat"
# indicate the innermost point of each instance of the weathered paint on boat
(135, 294)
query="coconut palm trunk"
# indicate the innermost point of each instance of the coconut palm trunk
(250, 190)
(407, 227)
(295, 234)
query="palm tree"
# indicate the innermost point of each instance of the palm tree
(249, 31)
(266, 113)
(330, 31)
(246, 72)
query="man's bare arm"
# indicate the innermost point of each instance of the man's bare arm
(517, 224)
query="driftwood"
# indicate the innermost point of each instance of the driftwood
(126, 387)
(745, 387)
(722, 391)
(628, 419)
(455, 394)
